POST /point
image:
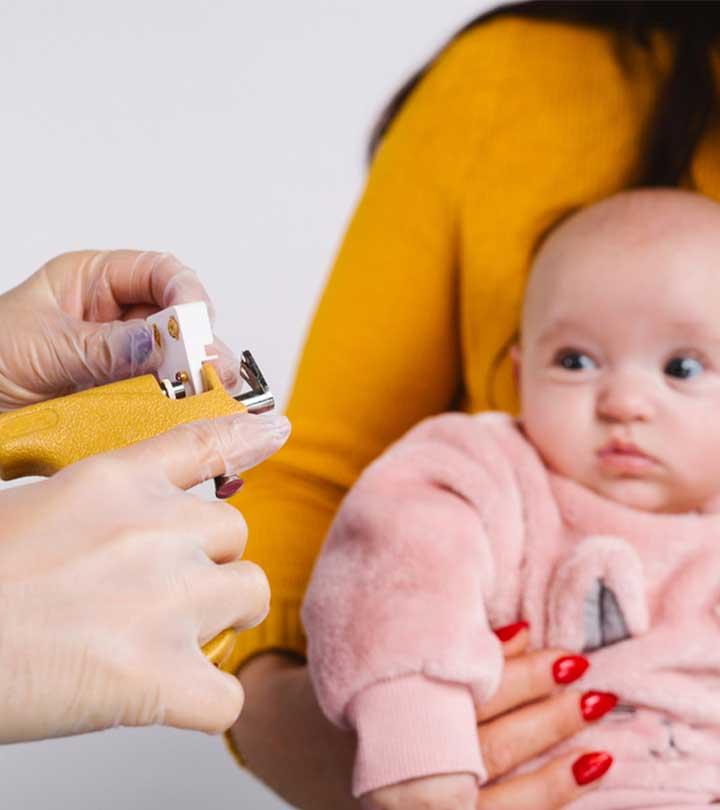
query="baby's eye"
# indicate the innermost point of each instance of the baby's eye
(573, 360)
(684, 367)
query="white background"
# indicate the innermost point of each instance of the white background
(232, 134)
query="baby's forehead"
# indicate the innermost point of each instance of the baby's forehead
(657, 251)
(639, 218)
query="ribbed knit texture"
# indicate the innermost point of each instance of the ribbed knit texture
(410, 727)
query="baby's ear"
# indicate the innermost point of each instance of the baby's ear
(516, 358)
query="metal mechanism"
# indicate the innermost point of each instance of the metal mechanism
(174, 389)
(259, 398)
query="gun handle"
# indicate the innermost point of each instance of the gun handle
(42, 439)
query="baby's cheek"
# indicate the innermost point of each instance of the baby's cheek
(558, 429)
(697, 455)
(694, 433)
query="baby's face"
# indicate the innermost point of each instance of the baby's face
(619, 364)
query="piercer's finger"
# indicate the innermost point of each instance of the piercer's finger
(520, 735)
(139, 312)
(227, 366)
(553, 786)
(143, 277)
(198, 696)
(108, 282)
(198, 451)
(221, 527)
(236, 595)
(528, 677)
(514, 637)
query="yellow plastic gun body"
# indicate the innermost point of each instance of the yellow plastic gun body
(42, 439)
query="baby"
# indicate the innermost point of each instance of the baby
(595, 517)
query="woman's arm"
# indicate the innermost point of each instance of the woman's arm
(383, 351)
(287, 742)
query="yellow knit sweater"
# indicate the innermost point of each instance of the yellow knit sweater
(518, 122)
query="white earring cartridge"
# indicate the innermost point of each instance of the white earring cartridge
(184, 334)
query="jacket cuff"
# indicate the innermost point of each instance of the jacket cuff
(411, 727)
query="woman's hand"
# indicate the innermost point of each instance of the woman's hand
(79, 321)
(511, 733)
(289, 744)
(112, 577)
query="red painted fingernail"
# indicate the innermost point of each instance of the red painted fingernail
(594, 705)
(590, 767)
(569, 668)
(510, 630)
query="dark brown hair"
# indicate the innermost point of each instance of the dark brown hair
(686, 101)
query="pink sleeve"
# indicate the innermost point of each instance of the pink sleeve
(399, 645)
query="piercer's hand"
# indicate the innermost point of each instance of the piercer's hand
(79, 321)
(112, 577)
(289, 744)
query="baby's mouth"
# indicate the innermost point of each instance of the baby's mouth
(626, 457)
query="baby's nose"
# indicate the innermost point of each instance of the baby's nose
(625, 398)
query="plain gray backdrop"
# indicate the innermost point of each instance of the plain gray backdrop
(232, 134)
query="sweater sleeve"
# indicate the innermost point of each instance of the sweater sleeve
(383, 351)
(399, 644)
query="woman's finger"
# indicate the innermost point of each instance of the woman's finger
(532, 676)
(517, 737)
(515, 638)
(553, 786)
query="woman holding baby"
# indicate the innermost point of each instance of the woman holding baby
(479, 166)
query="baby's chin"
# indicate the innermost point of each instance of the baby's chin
(645, 496)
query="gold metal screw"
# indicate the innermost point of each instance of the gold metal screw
(157, 336)
(174, 328)
(182, 376)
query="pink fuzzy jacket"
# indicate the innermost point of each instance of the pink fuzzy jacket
(459, 527)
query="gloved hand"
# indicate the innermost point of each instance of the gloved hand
(79, 321)
(112, 577)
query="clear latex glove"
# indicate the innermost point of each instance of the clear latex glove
(79, 321)
(453, 791)
(112, 577)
